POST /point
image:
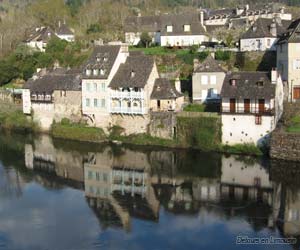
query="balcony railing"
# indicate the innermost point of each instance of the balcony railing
(128, 95)
(41, 99)
(126, 110)
(242, 110)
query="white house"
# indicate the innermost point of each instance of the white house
(263, 34)
(99, 70)
(252, 104)
(39, 38)
(64, 32)
(288, 59)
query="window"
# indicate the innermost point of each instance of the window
(97, 176)
(169, 28)
(268, 42)
(63, 93)
(90, 175)
(95, 103)
(233, 82)
(103, 103)
(260, 83)
(95, 87)
(187, 28)
(258, 119)
(88, 87)
(281, 48)
(213, 80)
(296, 64)
(204, 80)
(87, 102)
(95, 72)
(103, 87)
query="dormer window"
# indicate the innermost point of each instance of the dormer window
(105, 59)
(260, 83)
(95, 72)
(88, 72)
(98, 59)
(187, 28)
(132, 74)
(233, 82)
(102, 72)
(169, 28)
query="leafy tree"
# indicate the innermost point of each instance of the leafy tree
(94, 28)
(145, 39)
(7, 72)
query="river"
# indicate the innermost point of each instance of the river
(64, 195)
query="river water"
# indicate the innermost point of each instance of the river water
(57, 194)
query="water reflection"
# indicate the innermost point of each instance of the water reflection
(123, 185)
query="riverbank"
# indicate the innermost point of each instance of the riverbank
(203, 137)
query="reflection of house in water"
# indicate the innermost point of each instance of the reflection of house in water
(121, 181)
(44, 158)
(245, 180)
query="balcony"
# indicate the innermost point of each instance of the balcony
(128, 110)
(41, 99)
(242, 110)
(127, 95)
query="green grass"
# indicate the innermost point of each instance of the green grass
(248, 149)
(16, 121)
(294, 125)
(77, 131)
(195, 108)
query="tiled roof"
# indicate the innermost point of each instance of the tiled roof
(134, 72)
(63, 29)
(292, 35)
(209, 65)
(163, 89)
(142, 24)
(261, 28)
(246, 85)
(40, 34)
(102, 58)
(58, 79)
(178, 21)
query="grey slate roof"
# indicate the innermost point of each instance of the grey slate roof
(40, 34)
(103, 57)
(246, 86)
(164, 90)
(178, 21)
(292, 35)
(142, 24)
(220, 12)
(58, 79)
(63, 29)
(134, 72)
(209, 65)
(263, 28)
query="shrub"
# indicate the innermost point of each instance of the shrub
(195, 108)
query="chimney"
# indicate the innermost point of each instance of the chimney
(201, 17)
(196, 63)
(178, 85)
(274, 75)
(273, 29)
(254, 28)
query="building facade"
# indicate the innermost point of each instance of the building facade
(252, 104)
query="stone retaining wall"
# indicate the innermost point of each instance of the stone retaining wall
(285, 146)
(162, 124)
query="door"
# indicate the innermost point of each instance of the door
(296, 93)
(158, 104)
(261, 106)
(232, 105)
(247, 105)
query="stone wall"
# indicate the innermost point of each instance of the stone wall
(285, 146)
(162, 124)
(133, 124)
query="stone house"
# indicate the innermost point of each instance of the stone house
(53, 96)
(39, 37)
(98, 72)
(288, 59)
(252, 104)
(130, 92)
(263, 34)
(207, 82)
(165, 97)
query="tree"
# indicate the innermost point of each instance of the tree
(7, 72)
(145, 39)
(94, 28)
(228, 36)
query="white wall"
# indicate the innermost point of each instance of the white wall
(26, 101)
(183, 40)
(252, 44)
(68, 38)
